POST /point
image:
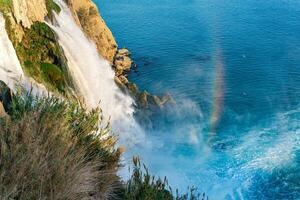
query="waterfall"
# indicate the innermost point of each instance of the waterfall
(94, 78)
(10, 68)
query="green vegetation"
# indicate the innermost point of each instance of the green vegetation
(5, 5)
(53, 74)
(54, 149)
(50, 150)
(39, 53)
(143, 186)
(52, 6)
(42, 57)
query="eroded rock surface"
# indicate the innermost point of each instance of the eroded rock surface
(89, 19)
(27, 12)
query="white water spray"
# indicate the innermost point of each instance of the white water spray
(11, 71)
(10, 68)
(94, 78)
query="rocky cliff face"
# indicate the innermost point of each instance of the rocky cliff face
(40, 53)
(88, 18)
(24, 13)
(27, 12)
(36, 45)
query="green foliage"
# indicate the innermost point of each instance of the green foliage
(143, 186)
(52, 6)
(53, 74)
(53, 149)
(5, 5)
(42, 57)
(56, 149)
(84, 125)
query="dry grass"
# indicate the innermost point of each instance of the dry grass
(53, 149)
(49, 150)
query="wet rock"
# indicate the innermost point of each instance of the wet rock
(123, 62)
(5, 96)
(133, 89)
(123, 79)
(118, 70)
(119, 82)
(123, 52)
(143, 99)
(157, 101)
(167, 99)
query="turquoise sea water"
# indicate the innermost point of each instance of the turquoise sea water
(233, 67)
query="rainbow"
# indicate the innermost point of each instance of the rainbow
(218, 93)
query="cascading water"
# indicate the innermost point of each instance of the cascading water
(94, 78)
(10, 68)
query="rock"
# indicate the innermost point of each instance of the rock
(118, 70)
(16, 30)
(167, 99)
(133, 89)
(123, 62)
(143, 99)
(88, 18)
(27, 12)
(119, 82)
(5, 96)
(123, 52)
(156, 100)
(123, 79)
(161, 101)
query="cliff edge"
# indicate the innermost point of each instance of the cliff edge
(24, 13)
(87, 16)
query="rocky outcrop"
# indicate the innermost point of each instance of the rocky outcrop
(2, 111)
(27, 12)
(5, 98)
(122, 62)
(122, 65)
(42, 58)
(88, 18)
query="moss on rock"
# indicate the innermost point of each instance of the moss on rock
(5, 5)
(52, 6)
(42, 58)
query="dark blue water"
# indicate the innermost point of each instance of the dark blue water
(233, 67)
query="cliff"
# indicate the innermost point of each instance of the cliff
(27, 12)
(43, 59)
(24, 13)
(36, 45)
(87, 16)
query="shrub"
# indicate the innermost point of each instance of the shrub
(55, 149)
(143, 186)
(52, 6)
(39, 53)
(53, 74)
(52, 149)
